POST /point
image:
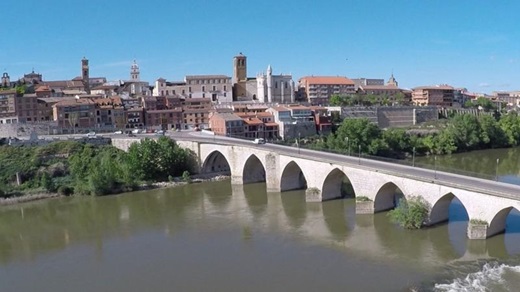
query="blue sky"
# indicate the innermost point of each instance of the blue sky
(473, 44)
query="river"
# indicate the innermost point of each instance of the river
(218, 237)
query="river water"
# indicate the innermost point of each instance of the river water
(218, 237)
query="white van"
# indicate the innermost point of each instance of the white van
(259, 141)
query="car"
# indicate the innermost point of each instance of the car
(91, 135)
(159, 132)
(136, 131)
(259, 141)
(131, 135)
(118, 132)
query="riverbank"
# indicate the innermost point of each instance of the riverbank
(178, 181)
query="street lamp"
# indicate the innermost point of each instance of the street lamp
(299, 139)
(359, 147)
(435, 166)
(496, 169)
(413, 157)
(348, 145)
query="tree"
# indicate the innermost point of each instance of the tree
(510, 125)
(73, 120)
(399, 98)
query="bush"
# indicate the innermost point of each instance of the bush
(478, 222)
(362, 199)
(410, 214)
(186, 176)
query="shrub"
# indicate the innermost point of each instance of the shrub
(186, 176)
(362, 199)
(410, 214)
(478, 222)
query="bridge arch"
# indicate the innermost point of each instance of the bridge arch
(254, 170)
(292, 178)
(336, 185)
(498, 224)
(440, 210)
(387, 197)
(216, 162)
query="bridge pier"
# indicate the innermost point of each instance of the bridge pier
(477, 230)
(365, 207)
(313, 195)
(237, 180)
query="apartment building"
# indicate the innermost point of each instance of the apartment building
(259, 125)
(317, 90)
(75, 113)
(195, 113)
(7, 107)
(438, 95)
(226, 124)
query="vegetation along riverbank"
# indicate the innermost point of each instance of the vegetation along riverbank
(67, 167)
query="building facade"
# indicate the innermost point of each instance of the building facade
(216, 88)
(438, 95)
(317, 90)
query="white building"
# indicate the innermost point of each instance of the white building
(275, 88)
(216, 87)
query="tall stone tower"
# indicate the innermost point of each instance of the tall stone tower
(239, 76)
(85, 75)
(6, 81)
(134, 72)
(269, 84)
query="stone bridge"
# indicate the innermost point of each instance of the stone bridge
(327, 179)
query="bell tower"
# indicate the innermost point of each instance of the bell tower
(239, 79)
(134, 72)
(85, 75)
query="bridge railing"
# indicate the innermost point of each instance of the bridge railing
(407, 162)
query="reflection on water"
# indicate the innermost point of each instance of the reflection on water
(207, 232)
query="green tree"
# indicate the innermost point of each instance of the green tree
(491, 136)
(510, 125)
(465, 131)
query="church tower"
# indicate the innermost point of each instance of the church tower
(239, 79)
(269, 84)
(6, 81)
(134, 72)
(392, 81)
(85, 75)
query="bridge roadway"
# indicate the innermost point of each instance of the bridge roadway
(469, 183)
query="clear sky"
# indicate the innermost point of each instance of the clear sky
(464, 43)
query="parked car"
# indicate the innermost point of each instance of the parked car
(118, 132)
(259, 141)
(91, 135)
(159, 132)
(136, 131)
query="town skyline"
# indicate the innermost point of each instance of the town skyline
(464, 44)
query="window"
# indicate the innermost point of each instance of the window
(189, 89)
(276, 84)
(225, 88)
(203, 88)
(203, 95)
(214, 88)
